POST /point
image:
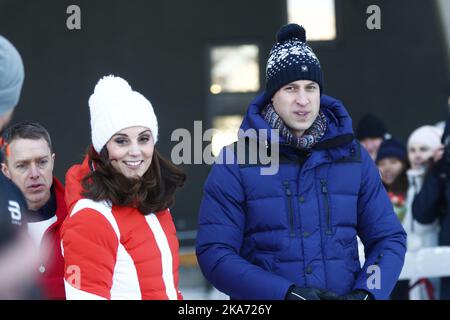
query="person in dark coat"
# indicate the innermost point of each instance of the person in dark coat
(17, 253)
(432, 202)
(291, 232)
(11, 80)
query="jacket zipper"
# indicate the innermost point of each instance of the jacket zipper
(327, 205)
(291, 213)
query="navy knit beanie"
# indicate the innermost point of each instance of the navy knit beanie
(371, 127)
(392, 148)
(290, 60)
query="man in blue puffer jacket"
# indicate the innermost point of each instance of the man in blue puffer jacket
(293, 234)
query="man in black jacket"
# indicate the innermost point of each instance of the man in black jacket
(11, 79)
(433, 201)
(17, 253)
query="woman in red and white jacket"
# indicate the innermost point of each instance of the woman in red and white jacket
(119, 240)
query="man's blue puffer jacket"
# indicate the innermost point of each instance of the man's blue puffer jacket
(260, 234)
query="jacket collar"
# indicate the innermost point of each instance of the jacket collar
(336, 141)
(61, 208)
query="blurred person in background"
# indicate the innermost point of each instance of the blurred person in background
(424, 147)
(29, 163)
(432, 201)
(18, 255)
(371, 132)
(392, 160)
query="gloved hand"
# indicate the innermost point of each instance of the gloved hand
(298, 293)
(357, 295)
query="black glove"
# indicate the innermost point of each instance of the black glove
(357, 295)
(297, 293)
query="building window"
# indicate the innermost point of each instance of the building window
(234, 69)
(226, 131)
(317, 16)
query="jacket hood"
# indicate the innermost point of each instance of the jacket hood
(74, 177)
(339, 123)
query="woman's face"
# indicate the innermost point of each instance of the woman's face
(390, 169)
(131, 150)
(419, 154)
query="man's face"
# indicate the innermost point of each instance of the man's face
(372, 145)
(30, 166)
(298, 104)
(5, 118)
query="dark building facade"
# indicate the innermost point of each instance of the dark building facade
(399, 72)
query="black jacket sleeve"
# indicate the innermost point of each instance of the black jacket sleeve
(12, 211)
(427, 203)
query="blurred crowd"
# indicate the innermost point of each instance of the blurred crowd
(415, 177)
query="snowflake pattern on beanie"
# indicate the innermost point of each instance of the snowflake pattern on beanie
(291, 59)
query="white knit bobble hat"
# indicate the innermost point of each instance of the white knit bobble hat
(426, 135)
(115, 106)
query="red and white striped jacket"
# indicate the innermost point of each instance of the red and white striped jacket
(114, 252)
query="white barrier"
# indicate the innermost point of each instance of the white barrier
(431, 262)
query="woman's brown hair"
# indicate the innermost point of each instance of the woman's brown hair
(154, 191)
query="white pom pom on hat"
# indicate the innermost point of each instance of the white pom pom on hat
(115, 106)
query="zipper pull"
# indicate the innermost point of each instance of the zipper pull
(324, 186)
(286, 186)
